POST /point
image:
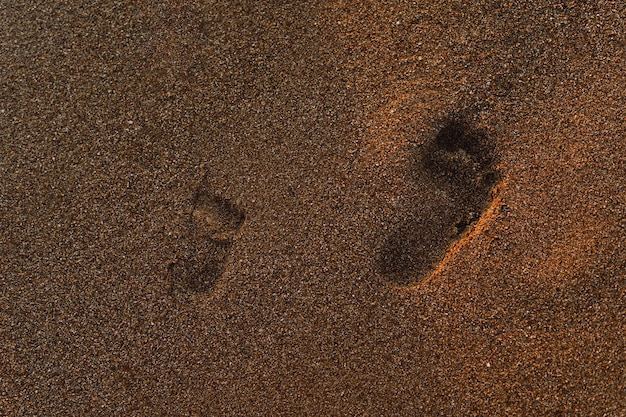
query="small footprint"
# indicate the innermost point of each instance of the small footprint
(216, 218)
(214, 225)
(459, 162)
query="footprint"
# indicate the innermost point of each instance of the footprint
(458, 168)
(213, 226)
(216, 218)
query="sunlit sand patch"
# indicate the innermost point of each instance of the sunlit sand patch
(395, 125)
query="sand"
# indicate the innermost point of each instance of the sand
(313, 208)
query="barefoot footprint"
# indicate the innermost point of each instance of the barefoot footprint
(459, 162)
(213, 226)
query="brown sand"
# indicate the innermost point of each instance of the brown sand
(197, 199)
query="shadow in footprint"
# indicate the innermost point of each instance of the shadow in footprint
(459, 163)
(213, 226)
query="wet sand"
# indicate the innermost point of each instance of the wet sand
(330, 208)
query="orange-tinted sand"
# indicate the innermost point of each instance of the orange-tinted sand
(196, 199)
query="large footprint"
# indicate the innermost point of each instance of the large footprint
(213, 226)
(459, 161)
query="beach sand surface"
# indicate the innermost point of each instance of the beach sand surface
(313, 208)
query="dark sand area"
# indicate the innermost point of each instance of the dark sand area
(231, 208)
